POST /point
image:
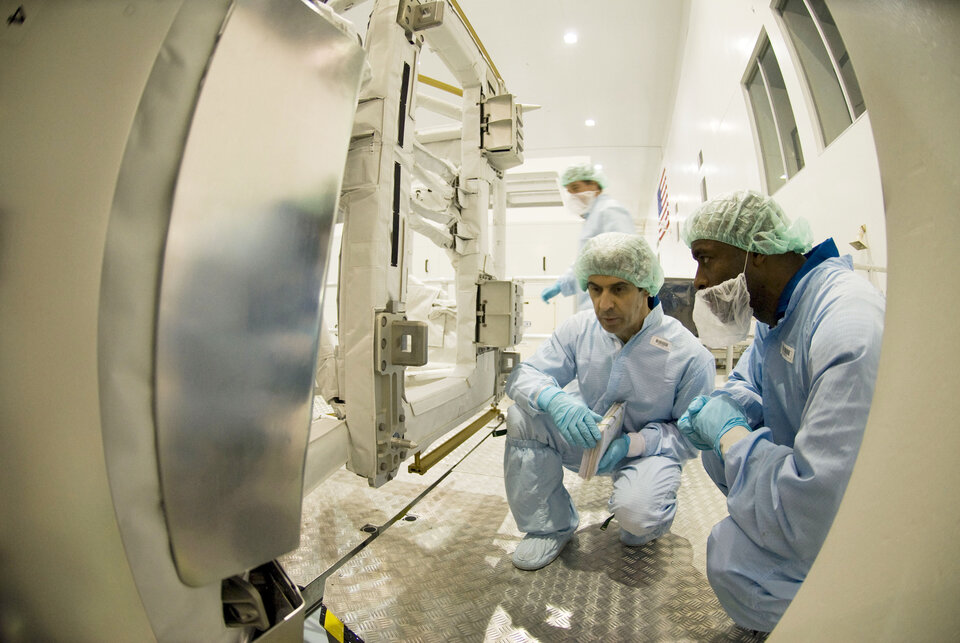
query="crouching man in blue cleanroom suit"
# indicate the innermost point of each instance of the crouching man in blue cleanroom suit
(600, 213)
(781, 436)
(625, 350)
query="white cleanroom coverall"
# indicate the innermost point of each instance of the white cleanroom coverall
(657, 373)
(806, 385)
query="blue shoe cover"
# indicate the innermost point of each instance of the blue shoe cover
(630, 540)
(633, 540)
(539, 550)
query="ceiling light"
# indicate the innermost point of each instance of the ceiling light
(570, 37)
(589, 122)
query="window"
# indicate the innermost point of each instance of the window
(774, 123)
(825, 63)
(703, 179)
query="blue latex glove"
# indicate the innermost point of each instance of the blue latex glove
(550, 292)
(577, 423)
(616, 451)
(708, 418)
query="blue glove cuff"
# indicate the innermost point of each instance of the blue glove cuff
(726, 427)
(615, 453)
(550, 292)
(546, 396)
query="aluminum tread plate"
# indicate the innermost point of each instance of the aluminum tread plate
(447, 576)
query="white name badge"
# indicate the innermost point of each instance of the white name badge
(661, 343)
(787, 352)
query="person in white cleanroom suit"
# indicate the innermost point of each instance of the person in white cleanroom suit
(624, 350)
(600, 212)
(781, 436)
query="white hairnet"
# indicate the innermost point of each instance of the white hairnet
(749, 221)
(617, 254)
(583, 172)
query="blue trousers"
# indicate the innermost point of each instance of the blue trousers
(755, 586)
(644, 495)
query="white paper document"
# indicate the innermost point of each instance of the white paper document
(610, 427)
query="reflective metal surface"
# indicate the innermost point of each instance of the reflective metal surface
(447, 575)
(239, 313)
(129, 291)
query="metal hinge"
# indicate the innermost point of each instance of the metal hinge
(414, 16)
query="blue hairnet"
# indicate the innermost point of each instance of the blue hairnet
(749, 221)
(617, 254)
(583, 172)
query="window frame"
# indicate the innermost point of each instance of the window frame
(754, 67)
(814, 106)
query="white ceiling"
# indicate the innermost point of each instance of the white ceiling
(622, 73)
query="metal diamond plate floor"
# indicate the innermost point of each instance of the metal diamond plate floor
(447, 575)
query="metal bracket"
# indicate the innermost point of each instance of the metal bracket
(242, 604)
(499, 313)
(414, 16)
(501, 131)
(267, 600)
(398, 343)
(506, 362)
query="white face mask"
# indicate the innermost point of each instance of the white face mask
(579, 202)
(722, 313)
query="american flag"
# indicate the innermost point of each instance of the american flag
(663, 207)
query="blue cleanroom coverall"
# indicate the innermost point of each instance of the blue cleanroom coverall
(806, 385)
(605, 215)
(657, 373)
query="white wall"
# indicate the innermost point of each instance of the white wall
(838, 189)
(536, 236)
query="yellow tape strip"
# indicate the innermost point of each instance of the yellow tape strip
(476, 38)
(439, 84)
(333, 625)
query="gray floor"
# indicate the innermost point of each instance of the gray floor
(447, 575)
